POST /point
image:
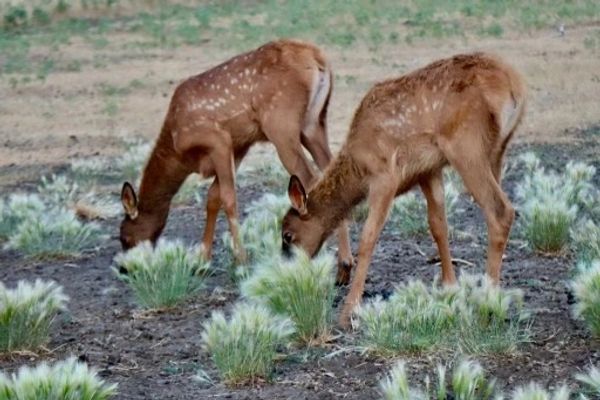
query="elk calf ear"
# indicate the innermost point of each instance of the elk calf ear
(129, 200)
(297, 195)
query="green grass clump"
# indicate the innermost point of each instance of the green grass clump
(27, 312)
(300, 288)
(474, 317)
(591, 381)
(163, 275)
(15, 210)
(468, 383)
(268, 172)
(550, 203)
(55, 234)
(260, 232)
(244, 347)
(533, 391)
(586, 289)
(126, 167)
(586, 241)
(65, 380)
(409, 211)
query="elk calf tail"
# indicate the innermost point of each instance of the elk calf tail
(319, 95)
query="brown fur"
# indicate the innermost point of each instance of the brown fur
(278, 93)
(460, 111)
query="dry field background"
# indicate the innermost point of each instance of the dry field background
(98, 72)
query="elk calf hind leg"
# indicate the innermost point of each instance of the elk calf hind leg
(433, 189)
(475, 169)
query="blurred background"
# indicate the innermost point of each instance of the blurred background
(82, 77)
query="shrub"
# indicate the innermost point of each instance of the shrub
(58, 191)
(55, 234)
(27, 312)
(477, 316)
(18, 208)
(550, 203)
(300, 288)
(409, 211)
(586, 241)
(243, 347)
(468, 383)
(586, 289)
(164, 275)
(65, 380)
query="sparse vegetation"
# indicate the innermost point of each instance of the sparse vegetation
(409, 212)
(65, 380)
(126, 167)
(18, 208)
(468, 383)
(26, 314)
(534, 391)
(56, 234)
(550, 203)
(164, 275)
(301, 289)
(474, 317)
(591, 380)
(586, 289)
(260, 232)
(243, 348)
(268, 172)
(586, 240)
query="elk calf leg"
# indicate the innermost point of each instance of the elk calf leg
(380, 200)
(213, 205)
(433, 189)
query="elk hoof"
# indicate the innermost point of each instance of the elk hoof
(343, 273)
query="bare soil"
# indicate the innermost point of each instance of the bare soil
(155, 355)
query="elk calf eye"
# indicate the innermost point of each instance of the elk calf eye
(287, 237)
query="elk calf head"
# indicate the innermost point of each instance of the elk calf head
(300, 227)
(137, 226)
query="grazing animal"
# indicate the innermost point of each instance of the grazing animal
(460, 111)
(278, 93)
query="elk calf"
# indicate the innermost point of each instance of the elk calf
(278, 93)
(460, 111)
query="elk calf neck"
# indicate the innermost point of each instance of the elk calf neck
(278, 93)
(460, 111)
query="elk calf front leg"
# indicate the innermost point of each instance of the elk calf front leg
(222, 159)
(380, 200)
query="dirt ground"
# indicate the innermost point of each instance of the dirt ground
(44, 125)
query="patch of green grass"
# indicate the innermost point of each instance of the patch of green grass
(550, 202)
(534, 391)
(468, 383)
(26, 314)
(301, 289)
(475, 317)
(163, 275)
(65, 380)
(55, 234)
(586, 241)
(591, 381)
(409, 211)
(243, 347)
(586, 289)
(260, 233)
(16, 209)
